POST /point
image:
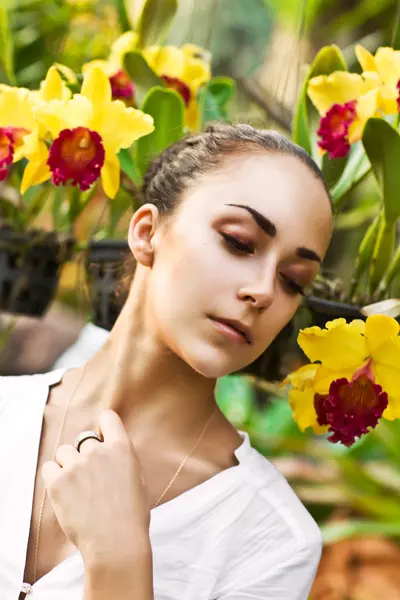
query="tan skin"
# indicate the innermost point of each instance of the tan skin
(158, 369)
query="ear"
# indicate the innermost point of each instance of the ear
(142, 228)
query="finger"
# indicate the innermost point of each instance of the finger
(50, 471)
(111, 427)
(88, 444)
(65, 455)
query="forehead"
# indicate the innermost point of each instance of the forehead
(280, 187)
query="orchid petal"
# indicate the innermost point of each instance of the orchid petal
(337, 88)
(120, 126)
(96, 86)
(365, 58)
(380, 329)
(110, 175)
(37, 170)
(53, 87)
(57, 115)
(388, 65)
(386, 366)
(166, 60)
(340, 346)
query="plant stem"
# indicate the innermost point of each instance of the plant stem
(74, 206)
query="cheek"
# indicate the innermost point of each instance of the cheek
(183, 282)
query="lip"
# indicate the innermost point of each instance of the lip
(236, 327)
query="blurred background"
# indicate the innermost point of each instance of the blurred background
(264, 45)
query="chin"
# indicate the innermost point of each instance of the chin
(212, 364)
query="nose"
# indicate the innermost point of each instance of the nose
(260, 292)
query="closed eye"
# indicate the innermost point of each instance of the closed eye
(237, 245)
(291, 286)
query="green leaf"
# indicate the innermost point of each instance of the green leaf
(155, 20)
(328, 60)
(118, 206)
(6, 46)
(367, 246)
(128, 165)
(395, 43)
(275, 419)
(141, 74)
(167, 109)
(342, 530)
(56, 206)
(332, 168)
(387, 434)
(74, 197)
(364, 257)
(209, 109)
(393, 271)
(223, 89)
(37, 202)
(356, 217)
(123, 16)
(213, 99)
(382, 145)
(356, 168)
(358, 480)
(383, 252)
(234, 397)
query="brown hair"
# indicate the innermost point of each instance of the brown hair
(184, 161)
(171, 172)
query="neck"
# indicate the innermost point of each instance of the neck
(154, 391)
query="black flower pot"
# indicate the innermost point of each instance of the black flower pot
(103, 266)
(324, 310)
(30, 265)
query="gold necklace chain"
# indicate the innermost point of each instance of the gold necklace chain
(54, 457)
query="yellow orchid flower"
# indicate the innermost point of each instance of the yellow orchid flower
(20, 135)
(355, 381)
(345, 102)
(303, 410)
(87, 132)
(184, 69)
(385, 64)
(122, 86)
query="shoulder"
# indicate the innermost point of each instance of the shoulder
(274, 527)
(275, 499)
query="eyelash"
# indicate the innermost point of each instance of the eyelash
(240, 247)
(237, 245)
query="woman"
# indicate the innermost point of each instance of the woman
(234, 226)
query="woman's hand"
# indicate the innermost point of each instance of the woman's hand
(98, 495)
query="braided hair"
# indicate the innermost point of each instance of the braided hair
(183, 162)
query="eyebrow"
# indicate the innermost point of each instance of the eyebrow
(270, 229)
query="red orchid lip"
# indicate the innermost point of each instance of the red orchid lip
(76, 155)
(239, 326)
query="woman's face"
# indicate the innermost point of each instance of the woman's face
(242, 245)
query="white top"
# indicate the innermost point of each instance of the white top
(241, 534)
(90, 339)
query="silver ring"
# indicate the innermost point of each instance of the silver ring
(86, 435)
